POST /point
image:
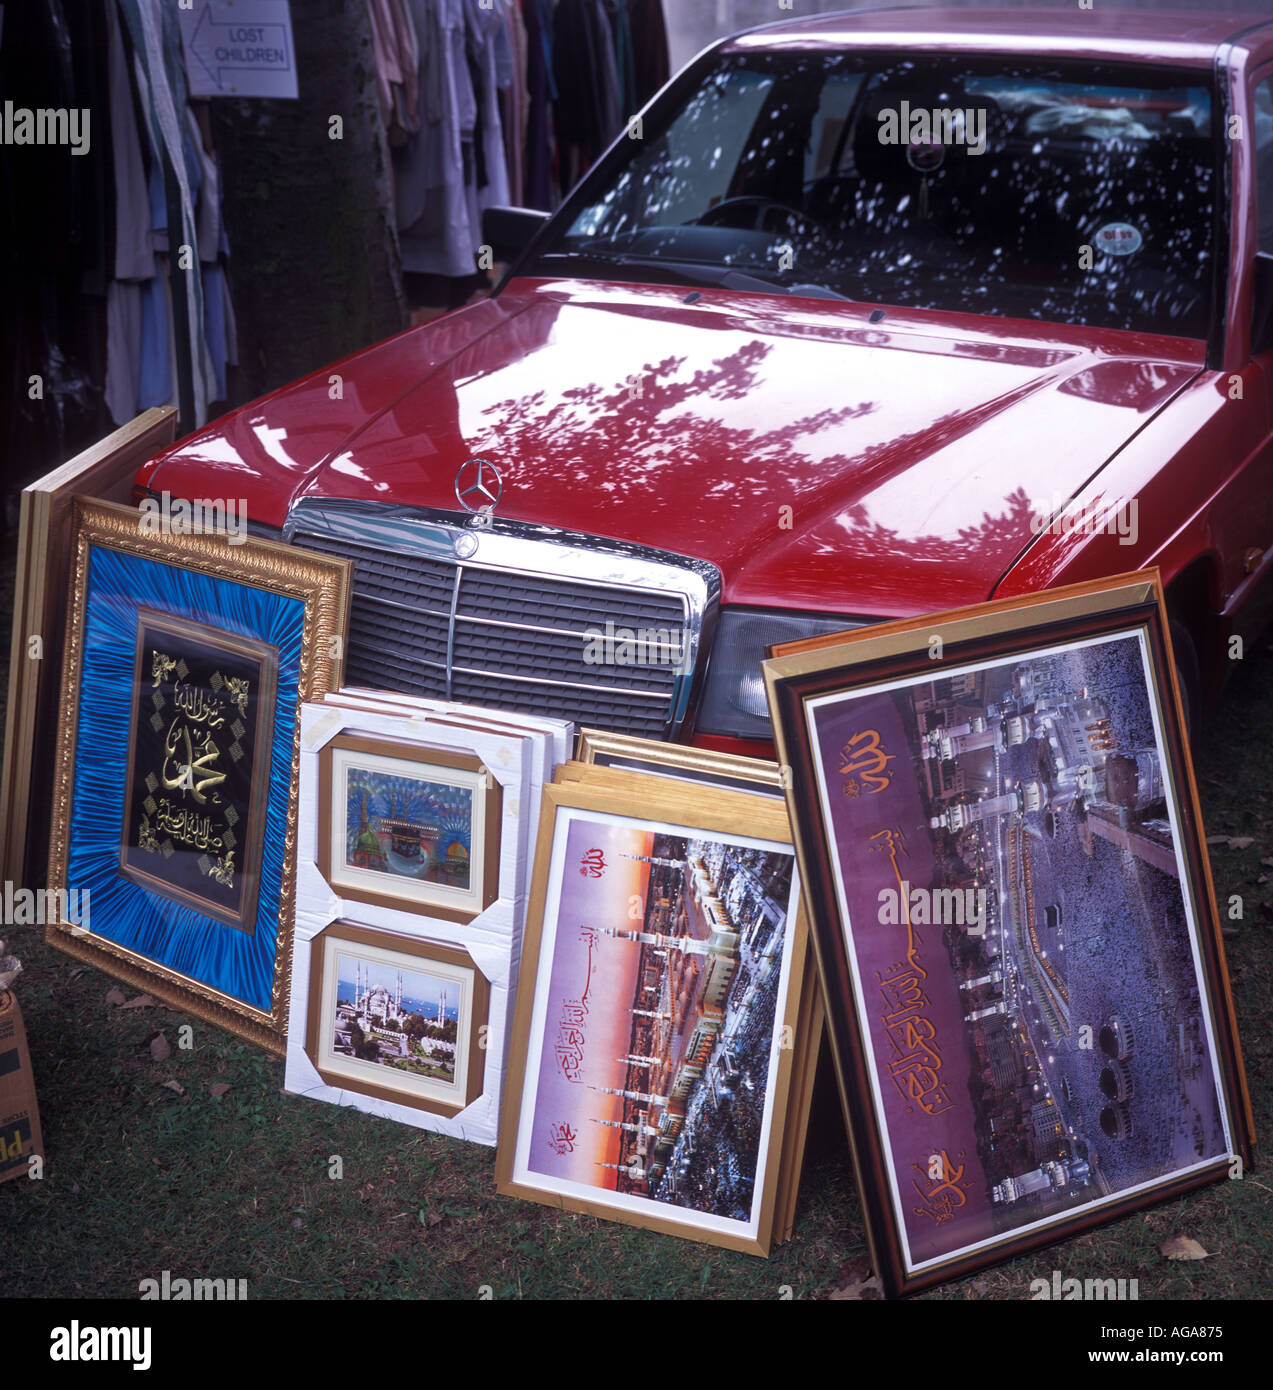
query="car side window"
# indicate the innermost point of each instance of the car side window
(1263, 120)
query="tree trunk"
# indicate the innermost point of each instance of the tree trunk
(314, 260)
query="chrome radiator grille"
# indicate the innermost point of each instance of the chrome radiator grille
(509, 625)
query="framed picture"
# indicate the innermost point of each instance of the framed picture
(600, 748)
(621, 755)
(175, 786)
(397, 1017)
(104, 471)
(653, 1038)
(408, 825)
(1002, 852)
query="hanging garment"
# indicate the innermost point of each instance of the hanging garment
(154, 33)
(649, 47)
(155, 376)
(489, 187)
(134, 254)
(396, 52)
(539, 186)
(587, 111)
(511, 60)
(435, 167)
(624, 62)
(123, 349)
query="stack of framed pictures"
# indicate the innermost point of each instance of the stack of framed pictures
(172, 860)
(666, 1031)
(1009, 893)
(412, 889)
(106, 472)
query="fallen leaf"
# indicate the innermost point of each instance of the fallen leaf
(174, 1086)
(218, 1089)
(435, 1218)
(160, 1049)
(114, 996)
(1217, 839)
(854, 1280)
(1241, 841)
(1268, 863)
(140, 1001)
(1184, 1248)
(74, 975)
(867, 1290)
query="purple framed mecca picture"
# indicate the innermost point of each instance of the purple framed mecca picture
(999, 837)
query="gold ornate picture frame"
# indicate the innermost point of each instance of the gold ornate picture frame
(160, 925)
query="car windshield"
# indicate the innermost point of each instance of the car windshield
(1021, 188)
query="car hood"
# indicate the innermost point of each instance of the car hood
(819, 459)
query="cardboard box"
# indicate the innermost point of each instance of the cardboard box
(19, 1114)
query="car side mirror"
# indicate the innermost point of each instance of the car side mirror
(1262, 303)
(509, 231)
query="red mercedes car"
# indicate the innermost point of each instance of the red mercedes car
(865, 316)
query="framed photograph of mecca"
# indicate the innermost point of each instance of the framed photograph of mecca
(408, 826)
(175, 784)
(657, 1005)
(397, 1017)
(1001, 847)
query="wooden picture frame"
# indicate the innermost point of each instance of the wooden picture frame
(461, 800)
(287, 608)
(105, 471)
(706, 766)
(1022, 1073)
(434, 967)
(626, 754)
(548, 1145)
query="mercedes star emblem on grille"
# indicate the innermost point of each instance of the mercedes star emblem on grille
(478, 486)
(465, 545)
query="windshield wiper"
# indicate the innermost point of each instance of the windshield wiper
(696, 272)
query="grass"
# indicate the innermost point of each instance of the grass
(142, 1179)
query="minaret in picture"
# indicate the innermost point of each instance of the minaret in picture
(631, 1128)
(649, 859)
(688, 945)
(631, 1169)
(631, 1095)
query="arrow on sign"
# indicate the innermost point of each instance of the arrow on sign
(252, 34)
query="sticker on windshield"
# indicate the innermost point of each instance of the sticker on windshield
(1118, 239)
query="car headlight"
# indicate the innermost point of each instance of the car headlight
(734, 702)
